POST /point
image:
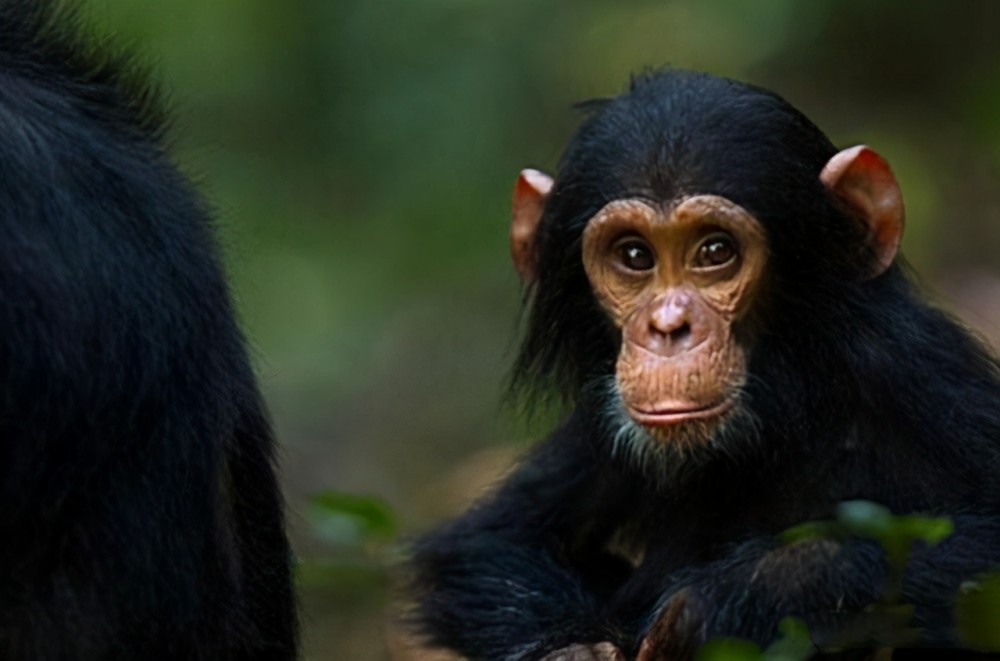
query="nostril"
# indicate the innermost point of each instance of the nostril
(680, 334)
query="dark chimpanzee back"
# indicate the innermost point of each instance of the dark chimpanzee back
(140, 516)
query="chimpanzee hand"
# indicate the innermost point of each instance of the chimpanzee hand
(677, 632)
(598, 652)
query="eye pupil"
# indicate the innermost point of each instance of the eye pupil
(636, 256)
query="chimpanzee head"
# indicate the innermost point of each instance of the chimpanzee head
(688, 217)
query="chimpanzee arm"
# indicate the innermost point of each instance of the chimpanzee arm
(824, 582)
(517, 576)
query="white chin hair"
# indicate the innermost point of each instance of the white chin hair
(664, 449)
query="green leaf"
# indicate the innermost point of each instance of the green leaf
(925, 528)
(977, 612)
(864, 518)
(350, 519)
(812, 530)
(794, 643)
(729, 649)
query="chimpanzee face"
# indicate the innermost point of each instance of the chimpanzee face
(678, 279)
(675, 280)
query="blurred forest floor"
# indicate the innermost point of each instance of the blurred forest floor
(361, 156)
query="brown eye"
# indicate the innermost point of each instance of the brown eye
(717, 250)
(635, 255)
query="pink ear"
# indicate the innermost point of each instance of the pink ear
(530, 192)
(863, 180)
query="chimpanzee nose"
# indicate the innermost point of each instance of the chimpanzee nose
(670, 331)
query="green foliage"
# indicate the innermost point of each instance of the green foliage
(793, 644)
(346, 519)
(862, 518)
(977, 613)
(356, 533)
(729, 649)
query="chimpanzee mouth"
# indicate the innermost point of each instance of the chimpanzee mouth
(673, 416)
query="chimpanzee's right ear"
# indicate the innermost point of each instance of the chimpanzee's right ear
(863, 180)
(530, 192)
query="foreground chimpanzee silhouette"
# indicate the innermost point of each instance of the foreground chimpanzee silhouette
(140, 517)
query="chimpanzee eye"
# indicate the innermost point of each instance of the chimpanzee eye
(716, 250)
(635, 255)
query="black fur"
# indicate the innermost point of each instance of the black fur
(140, 517)
(857, 389)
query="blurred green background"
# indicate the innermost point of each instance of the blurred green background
(361, 156)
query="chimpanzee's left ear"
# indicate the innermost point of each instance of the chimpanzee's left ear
(863, 180)
(530, 192)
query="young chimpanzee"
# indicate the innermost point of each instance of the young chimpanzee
(714, 291)
(140, 517)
